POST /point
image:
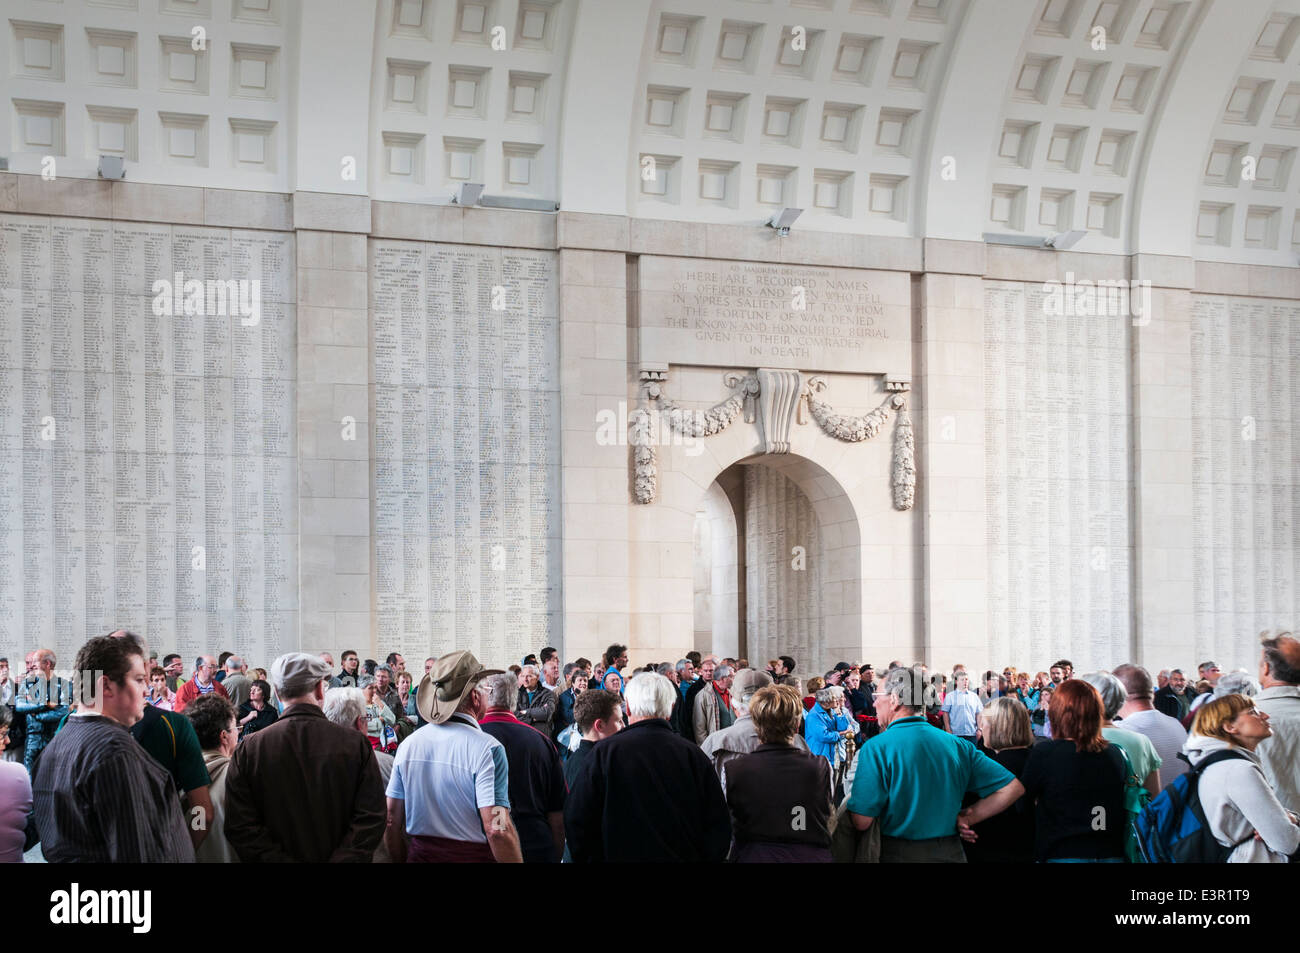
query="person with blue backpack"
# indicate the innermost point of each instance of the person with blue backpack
(1241, 810)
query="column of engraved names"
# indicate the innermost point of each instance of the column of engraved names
(440, 395)
(494, 554)
(461, 347)
(1001, 319)
(264, 449)
(1245, 314)
(83, 345)
(1244, 480)
(1203, 525)
(466, 301)
(395, 286)
(413, 373)
(534, 384)
(1284, 346)
(1056, 484)
(1032, 513)
(138, 427)
(27, 281)
(12, 428)
(1259, 456)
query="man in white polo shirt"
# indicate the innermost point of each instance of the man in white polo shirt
(448, 794)
(1139, 714)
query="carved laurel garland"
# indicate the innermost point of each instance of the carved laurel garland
(706, 423)
(645, 480)
(904, 475)
(641, 424)
(848, 429)
(855, 429)
(702, 423)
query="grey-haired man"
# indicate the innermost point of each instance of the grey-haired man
(911, 779)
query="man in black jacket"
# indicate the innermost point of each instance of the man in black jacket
(645, 794)
(686, 711)
(1175, 698)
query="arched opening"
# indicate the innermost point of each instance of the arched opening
(777, 569)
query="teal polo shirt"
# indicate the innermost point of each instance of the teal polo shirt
(912, 776)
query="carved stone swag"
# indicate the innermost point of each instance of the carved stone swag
(775, 399)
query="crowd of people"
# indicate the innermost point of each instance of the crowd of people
(702, 759)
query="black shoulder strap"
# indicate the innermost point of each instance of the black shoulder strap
(1228, 755)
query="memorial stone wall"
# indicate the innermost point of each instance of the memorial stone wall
(148, 466)
(465, 364)
(1245, 478)
(1057, 479)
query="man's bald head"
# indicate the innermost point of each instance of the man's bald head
(1136, 681)
(1280, 664)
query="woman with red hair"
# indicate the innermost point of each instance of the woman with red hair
(1076, 782)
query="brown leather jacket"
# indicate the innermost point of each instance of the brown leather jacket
(304, 790)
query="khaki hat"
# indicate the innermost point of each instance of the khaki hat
(749, 680)
(449, 681)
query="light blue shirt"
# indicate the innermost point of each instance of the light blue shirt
(445, 773)
(963, 708)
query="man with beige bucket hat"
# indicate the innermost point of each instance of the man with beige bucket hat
(447, 796)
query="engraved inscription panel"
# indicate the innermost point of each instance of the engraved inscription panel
(748, 314)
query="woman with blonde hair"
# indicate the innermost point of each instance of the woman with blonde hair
(1240, 807)
(1007, 837)
(775, 782)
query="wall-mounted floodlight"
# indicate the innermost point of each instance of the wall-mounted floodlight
(467, 193)
(1022, 241)
(783, 219)
(112, 167)
(1065, 240)
(521, 202)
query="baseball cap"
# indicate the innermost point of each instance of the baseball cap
(750, 680)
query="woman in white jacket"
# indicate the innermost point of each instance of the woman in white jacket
(1239, 805)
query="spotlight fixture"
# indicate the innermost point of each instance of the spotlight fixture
(112, 167)
(783, 219)
(521, 202)
(1065, 240)
(1022, 241)
(467, 193)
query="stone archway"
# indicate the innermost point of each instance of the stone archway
(777, 564)
(874, 607)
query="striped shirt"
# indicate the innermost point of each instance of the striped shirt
(100, 798)
(444, 774)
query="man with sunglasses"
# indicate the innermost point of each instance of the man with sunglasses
(911, 779)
